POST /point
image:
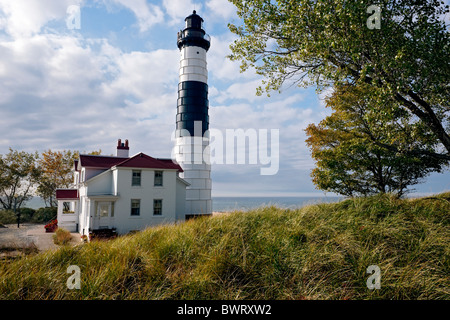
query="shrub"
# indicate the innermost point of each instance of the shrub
(7, 217)
(45, 214)
(26, 214)
(62, 236)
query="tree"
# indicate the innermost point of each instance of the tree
(327, 42)
(350, 163)
(57, 173)
(56, 169)
(18, 176)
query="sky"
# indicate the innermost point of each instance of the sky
(69, 84)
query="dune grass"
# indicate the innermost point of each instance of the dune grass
(317, 252)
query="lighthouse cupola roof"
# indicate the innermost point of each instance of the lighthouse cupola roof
(193, 34)
(194, 21)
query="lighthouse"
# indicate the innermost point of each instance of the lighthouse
(192, 120)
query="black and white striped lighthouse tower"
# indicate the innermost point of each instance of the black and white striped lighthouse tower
(192, 137)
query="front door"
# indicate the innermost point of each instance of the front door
(103, 216)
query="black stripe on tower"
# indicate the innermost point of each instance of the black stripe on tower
(192, 105)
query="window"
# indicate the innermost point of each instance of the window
(135, 207)
(158, 178)
(104, 210)
(66, 207)
(136, 179)
(157, 207)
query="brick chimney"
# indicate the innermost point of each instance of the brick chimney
(122, 149)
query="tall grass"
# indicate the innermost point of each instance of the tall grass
(317, 252)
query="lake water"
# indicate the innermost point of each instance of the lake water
(34, 203)
(222, 204)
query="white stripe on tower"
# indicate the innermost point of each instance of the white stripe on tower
(193, 64)
(192, 117)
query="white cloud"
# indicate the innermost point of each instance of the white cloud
(48, 65)
(68, 93)
(147, 14)
(25, 18)
(178, 10)
(240, 90)
(283, 114)
(145, 73)
(219, 65)
(221, 8)
(324, 95)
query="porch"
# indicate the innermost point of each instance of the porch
(68, 209)
(101, 217)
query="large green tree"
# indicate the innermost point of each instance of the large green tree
(348, 146)
(19, 175)
(328, 42)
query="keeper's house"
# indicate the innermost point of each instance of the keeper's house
(122, 193)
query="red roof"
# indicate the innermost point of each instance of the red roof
(140, 160)
(66, 194)
(99, 161)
